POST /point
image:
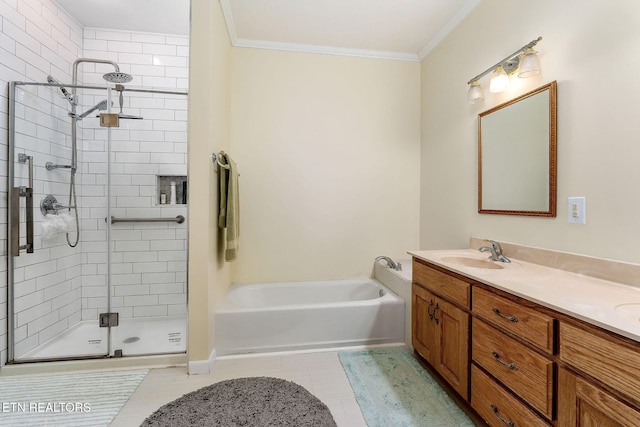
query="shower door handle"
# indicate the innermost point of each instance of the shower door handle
(16, 193)
(27, 193)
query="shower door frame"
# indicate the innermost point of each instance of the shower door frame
(10, 223)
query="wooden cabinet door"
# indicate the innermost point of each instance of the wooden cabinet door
(453, 345)
(441, 335)
(581, 404)
(424, 334)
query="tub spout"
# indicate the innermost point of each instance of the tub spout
(390, 263)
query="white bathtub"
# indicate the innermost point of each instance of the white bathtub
(268, 317)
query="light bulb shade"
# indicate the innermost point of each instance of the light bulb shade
(499, 80)
(530, 64)
(475, 93)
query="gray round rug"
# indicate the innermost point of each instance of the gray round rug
(254, 401)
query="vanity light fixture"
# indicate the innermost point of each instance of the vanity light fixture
(524, 61)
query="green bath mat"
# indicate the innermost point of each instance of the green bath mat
(392, 389)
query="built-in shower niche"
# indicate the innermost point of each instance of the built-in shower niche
(163, 188)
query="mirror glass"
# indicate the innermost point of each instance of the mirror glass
(517, 155)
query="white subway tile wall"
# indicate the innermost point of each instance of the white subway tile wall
(58, 286)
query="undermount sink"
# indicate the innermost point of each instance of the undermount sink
(630, 310)
(473, 262)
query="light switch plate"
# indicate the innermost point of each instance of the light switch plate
(577, 210)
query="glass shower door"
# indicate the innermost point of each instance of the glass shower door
(149, 231)
(57, 231)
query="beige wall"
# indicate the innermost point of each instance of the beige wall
(328, 153)
(590, 48)
(209, 129)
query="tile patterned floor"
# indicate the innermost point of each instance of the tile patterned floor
(320, 373)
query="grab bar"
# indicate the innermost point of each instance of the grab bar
(27, 193)
(179, 219)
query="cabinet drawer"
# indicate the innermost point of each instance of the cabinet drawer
(610, 360)
(525, 372)
(497, 406)
(442, 284)
(525, 322)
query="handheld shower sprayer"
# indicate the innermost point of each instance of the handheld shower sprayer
(70, 97)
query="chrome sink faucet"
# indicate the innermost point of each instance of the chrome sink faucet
(496, 251)
(390, 263)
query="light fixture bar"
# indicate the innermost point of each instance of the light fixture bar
(516, 53)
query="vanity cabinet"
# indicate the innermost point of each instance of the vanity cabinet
(600, 385)
(508, 343)
(519, 363)
(441, 325)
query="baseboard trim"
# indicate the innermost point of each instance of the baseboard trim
(200, 367)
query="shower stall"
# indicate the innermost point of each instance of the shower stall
(97, 185)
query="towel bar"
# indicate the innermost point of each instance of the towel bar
(216, 159)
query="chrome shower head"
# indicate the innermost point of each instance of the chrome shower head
(118, 77)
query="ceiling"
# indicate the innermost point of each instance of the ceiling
(149, 16)
(394, 29)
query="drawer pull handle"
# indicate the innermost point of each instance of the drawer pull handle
(497, 414)
(434, 314)
(429, 310)
(509, 318)
(511, 366)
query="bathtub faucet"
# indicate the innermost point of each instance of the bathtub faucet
(390, 263)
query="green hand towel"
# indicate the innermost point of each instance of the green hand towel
(229, 213)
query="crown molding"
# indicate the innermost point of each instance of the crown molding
(340, 51)
(325, 50)
(306, 48)
(228, 19)
(449, 26)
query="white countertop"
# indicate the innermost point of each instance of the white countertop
(610, 305)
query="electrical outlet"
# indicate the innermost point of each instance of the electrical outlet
(577, 211)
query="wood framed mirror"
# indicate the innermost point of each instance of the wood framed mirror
(517, 155)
